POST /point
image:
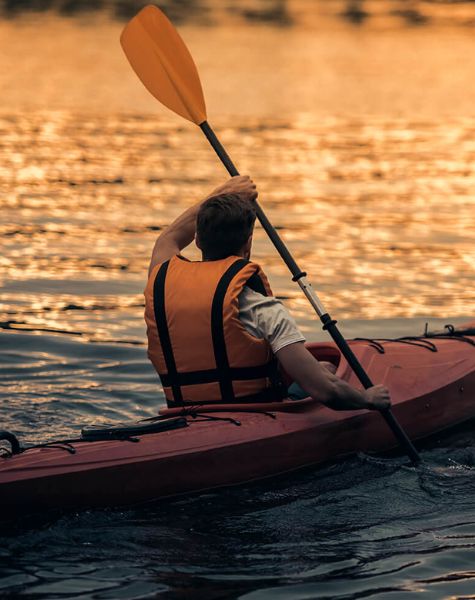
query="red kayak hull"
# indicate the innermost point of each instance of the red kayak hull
(431, 391)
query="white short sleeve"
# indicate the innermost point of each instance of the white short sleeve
(266, 318)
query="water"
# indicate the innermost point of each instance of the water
(362, 529)
(365, 164)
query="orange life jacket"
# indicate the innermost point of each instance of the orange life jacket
(196, 342)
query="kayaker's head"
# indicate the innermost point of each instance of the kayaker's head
(224, 226)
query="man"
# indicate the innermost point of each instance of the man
(215, 332)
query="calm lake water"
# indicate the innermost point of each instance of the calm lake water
(362, 143)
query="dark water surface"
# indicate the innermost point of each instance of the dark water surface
(370, 179)
(364, 528)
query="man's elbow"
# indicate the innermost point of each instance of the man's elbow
(326, 394)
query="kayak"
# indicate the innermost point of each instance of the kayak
(432, 383)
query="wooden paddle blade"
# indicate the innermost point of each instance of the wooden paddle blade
(163, 63)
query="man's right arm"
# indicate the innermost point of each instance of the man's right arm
(181, 232)
(325, 387)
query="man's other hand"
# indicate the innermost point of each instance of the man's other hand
(241, 184)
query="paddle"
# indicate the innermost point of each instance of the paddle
(164, 65)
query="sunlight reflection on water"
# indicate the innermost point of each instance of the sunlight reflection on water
(383, 222)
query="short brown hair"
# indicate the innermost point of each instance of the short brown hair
(224, 224)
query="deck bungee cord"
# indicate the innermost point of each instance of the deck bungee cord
(122, 432)
(98, 433)
(423, 341)
(126, 432)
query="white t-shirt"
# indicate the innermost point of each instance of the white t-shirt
(265, 317)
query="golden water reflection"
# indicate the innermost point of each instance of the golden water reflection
(380, 214)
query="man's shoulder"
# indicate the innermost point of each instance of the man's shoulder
(267, 318)
(262, 307)
(250, 297)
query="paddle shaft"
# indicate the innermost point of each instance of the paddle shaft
(300, 277)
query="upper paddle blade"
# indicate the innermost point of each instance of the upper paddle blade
(163, 63)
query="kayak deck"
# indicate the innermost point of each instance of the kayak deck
(432, 385)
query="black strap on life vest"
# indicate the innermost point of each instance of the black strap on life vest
(163, 333)
(223, 374)
(255, 283)
(217, 331)
(212, 375)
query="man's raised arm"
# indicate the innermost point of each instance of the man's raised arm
(181, 232)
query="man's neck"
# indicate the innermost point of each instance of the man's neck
(245, 255)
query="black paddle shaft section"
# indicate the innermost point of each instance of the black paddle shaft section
(328, 323)
(264, 221)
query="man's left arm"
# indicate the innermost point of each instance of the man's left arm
(176, 236)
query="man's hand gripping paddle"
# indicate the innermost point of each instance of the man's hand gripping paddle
(164, 65)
